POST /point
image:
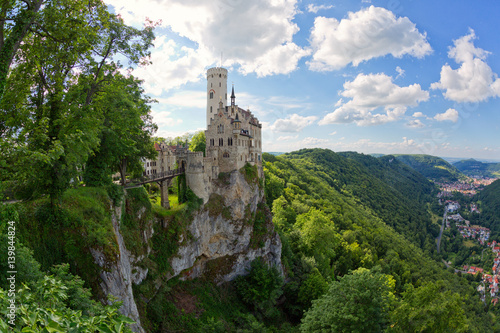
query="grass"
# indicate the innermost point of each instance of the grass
(469, 243)
(66, 233)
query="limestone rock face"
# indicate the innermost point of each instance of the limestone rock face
(223, 237)
(117, 277)
(223, 241)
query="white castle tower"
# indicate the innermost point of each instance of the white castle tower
(216, 91)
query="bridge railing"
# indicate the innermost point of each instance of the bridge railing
(158, 176)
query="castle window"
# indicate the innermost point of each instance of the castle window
(226, 155)
(220, 84)
(210, 109)
(211, 85)
(211, 95)
(220, 75)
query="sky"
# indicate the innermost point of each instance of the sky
(389, 76)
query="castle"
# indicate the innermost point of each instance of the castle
(233, 138)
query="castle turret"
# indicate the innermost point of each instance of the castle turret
(216, 91)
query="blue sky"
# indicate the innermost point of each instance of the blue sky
(390, 76)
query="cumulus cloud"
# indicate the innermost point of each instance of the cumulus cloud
(287, 138)
(473, 81)
(369, 33)
(311, 8)
(292, 123)
(415, 123)
(372, 92)
(187, 98)
(401, 72)
(418, 114)
(313, 142)
(449, 115)
(256, 35)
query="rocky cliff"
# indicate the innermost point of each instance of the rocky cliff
(217, 241)
(232, 229)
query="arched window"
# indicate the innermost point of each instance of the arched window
(225, 155)
(220, 84)
(211, 95)
(210, 109)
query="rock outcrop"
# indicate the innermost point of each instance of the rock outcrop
(117, 277)
(224, 237)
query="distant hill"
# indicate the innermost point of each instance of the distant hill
(489, 200)
(431, 167)
(472, 167)
(395, 192)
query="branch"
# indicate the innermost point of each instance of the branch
(47, 33)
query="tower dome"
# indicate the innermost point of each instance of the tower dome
(216, 90)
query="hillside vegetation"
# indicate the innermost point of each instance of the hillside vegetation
(335, 213)
(432, 167)
(471, 167)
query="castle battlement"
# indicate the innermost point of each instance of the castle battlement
(216, 71)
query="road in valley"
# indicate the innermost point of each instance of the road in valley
(441, 230)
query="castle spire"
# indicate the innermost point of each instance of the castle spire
(233, 98)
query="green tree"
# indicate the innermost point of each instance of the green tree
(126, 134)
(53, 124)
(320, 239)
(198, 142)
(16, 18)
(358, 302)
(44, 308)
(429, 308)
(261, 287)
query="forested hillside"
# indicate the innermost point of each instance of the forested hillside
(471, 167)
(489, 199)
(331, 211)
(432, 167)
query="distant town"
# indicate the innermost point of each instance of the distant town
(469, 187)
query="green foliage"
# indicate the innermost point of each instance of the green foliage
(358, 302)
(274, 187)
(198, 142)
(126, 135)
(83, 221)
(471, 167)
(490, 214)
(51, 117)
(59, 304)
(261, 287)
(216, 206)
(432, 167)
(430, 308)
(330, 217)
(135, 218)
(250, 173)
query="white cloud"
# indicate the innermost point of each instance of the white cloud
(449, 115)
(370, 92)
(401, 72)
(287, 138)
(473, 81)
(313, 142)
(311, 8)
(333, 133)
(418, 114)
(369, 33)
(292, 123)
(415, 123)
(256, 35)
(187, 98)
